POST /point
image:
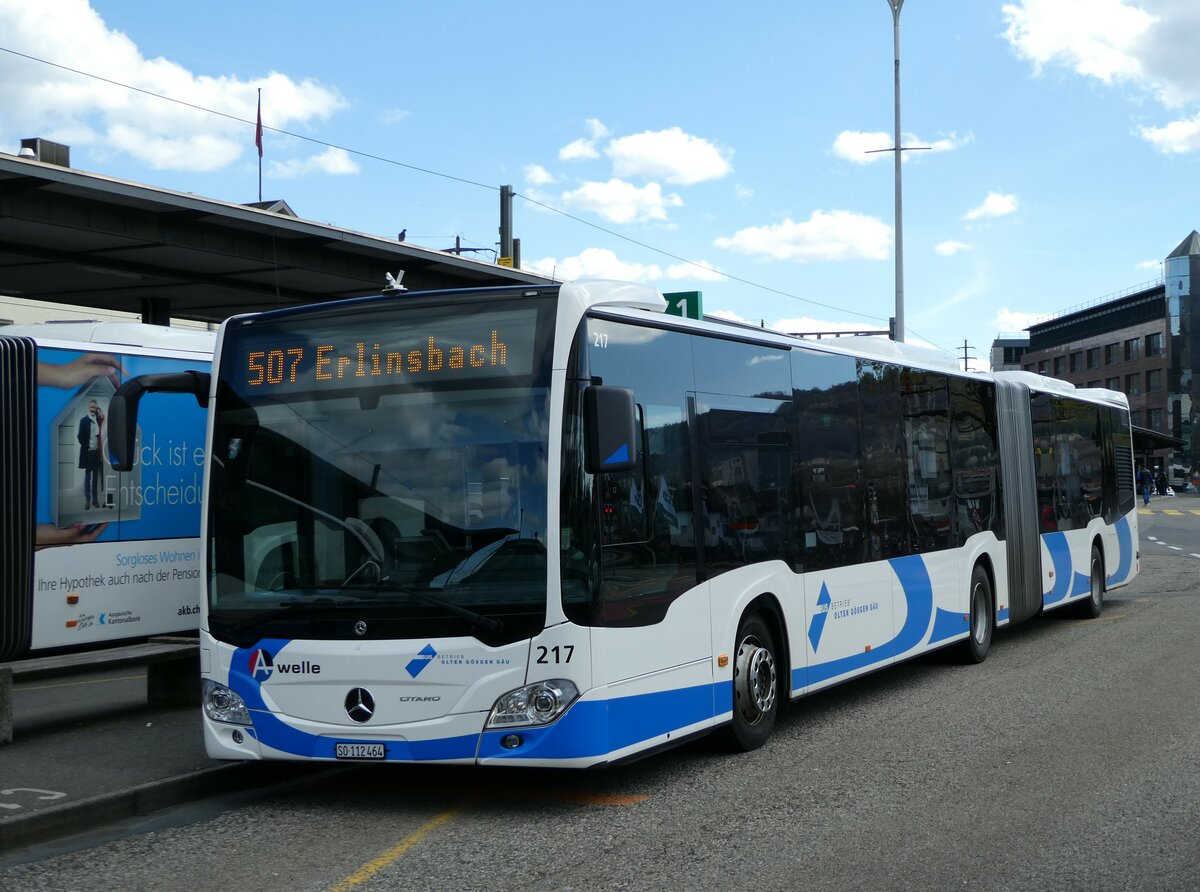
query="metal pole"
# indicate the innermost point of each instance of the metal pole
(895, 5)
(506, 233)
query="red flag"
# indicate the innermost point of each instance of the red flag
(258, 128)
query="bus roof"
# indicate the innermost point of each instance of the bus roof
(117, 334)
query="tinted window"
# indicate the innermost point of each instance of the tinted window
(1080, 491)
(828, 464)
(974, 458)
(883, 459)
(1122, 459)
(741, 369)
(926, 407)
(1046, 472)
(745, 465)
(648, 555)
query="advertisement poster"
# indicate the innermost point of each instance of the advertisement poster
(117, 554)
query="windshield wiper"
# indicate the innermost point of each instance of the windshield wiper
(487, 623)
(283, 611)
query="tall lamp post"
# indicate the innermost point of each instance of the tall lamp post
(895, 6)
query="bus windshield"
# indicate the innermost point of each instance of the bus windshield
(382, 475)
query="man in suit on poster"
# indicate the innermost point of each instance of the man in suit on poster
(91, 438)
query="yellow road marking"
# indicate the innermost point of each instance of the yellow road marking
(371, 868)
(1144, 511)
(368, 870)
(1172, 512)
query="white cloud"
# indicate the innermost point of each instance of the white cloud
(602, 263)
(1176, 138)
(596, 263)
(950, 142)
(743, 193)
(536, 175)
(824, 236)
(1096, 38)
(584, 148)
(863, 147)
(698, 270)
(671, 155)
(1155, 265)
(995, 205)
(395, 115)
(620, 202)
(86, 112)
(1148, 45)
(1015, 320)
(854, 145)
(950, 248)
(331, 161)
(577, 150)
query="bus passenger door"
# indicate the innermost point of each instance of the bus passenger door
(651, 643)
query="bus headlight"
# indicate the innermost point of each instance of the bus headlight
(534, 704)
(222, 704)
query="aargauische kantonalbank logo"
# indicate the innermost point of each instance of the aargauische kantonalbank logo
(262, 666)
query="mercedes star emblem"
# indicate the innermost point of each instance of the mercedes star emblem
(360, 705)
(360, 628)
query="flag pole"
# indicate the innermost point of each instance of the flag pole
(258, 139)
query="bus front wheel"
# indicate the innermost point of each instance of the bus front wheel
(755, 685)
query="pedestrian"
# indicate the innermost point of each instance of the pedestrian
(1145, 484)
(1161, 483)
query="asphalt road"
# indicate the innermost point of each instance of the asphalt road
(1069, 760)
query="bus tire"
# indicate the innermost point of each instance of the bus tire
(1092, 606)
(979, 635)
(755, 685)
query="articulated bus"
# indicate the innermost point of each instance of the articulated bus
(556, 526)
(90, 556)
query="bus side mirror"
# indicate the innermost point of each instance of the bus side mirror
(610, 429)
(123, 409)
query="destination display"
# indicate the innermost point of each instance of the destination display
(314, 356)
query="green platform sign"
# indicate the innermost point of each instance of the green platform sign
(689, 304)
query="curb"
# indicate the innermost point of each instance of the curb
(94, 813)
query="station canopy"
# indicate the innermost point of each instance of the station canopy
(72, 237)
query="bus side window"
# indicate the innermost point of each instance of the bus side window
(926, 407)
(975, 458)
(884, 465)
(745, 466)
(1045, 471)
(648, 553)
(827, 461)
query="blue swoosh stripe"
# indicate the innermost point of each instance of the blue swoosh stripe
(918, 592)
(948, 624)
(1124, 552)
(1060, 557)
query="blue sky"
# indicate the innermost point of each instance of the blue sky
(695, 146)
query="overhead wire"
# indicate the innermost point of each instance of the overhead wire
(464, 180)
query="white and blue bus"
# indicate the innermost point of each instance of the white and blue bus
(556, 526)
(90, 556)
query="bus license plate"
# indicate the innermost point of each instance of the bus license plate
(359, 751)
